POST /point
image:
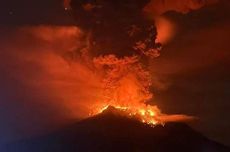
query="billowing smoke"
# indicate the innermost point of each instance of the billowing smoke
(75, 83)
(155, 8)
(118, 51)
(158, 7)
(47, 85)
(167, 28)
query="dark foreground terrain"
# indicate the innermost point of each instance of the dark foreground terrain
(111, 132)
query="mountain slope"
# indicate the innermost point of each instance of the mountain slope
(112, 132)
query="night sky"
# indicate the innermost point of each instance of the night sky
(192, 73)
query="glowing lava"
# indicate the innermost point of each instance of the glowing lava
(146, 114)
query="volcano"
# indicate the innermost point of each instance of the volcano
(111, 131)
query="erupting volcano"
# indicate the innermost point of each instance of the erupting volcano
(104, 78)
(112, 131)
(120, 40)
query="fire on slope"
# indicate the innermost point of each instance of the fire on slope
(126, 84)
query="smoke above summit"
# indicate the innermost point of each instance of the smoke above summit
(158, 7)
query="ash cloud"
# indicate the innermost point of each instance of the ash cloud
(158, 7)
(23, 57)
(40, 89)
